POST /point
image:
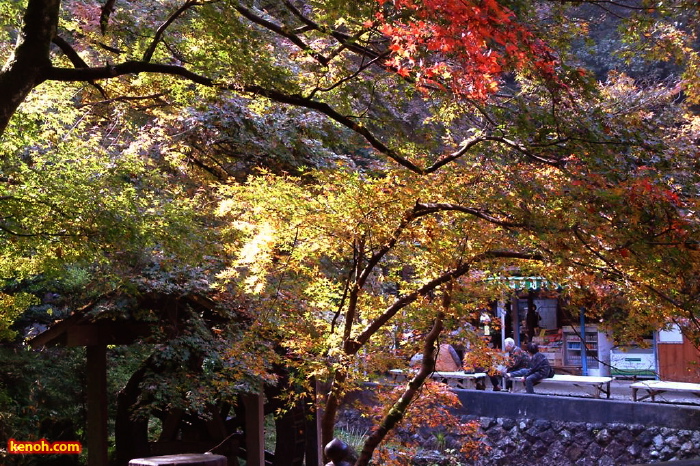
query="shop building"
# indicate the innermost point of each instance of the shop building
(575, 345)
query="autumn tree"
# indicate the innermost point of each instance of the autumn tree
(330, 252)
(580, 186)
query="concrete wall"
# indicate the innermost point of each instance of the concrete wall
(552, 408)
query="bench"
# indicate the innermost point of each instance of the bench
(599, 384)
(657, 387)
(459, 379)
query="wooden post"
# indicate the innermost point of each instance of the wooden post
(254, 429)
(314, 450)
(97, 405)
(515, 317)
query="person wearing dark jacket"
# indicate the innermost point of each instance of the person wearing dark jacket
(517, 359)
(538, 370)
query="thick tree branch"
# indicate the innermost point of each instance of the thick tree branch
(77, 61)
(348, 122)
(470, 143)
(129, 67)
(148, 54)
(282, 31)
(352, 346)
(398, 410)
(70, 52)
(106, 10)
(334, 115)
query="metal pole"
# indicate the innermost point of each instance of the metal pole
(584, 362)
(502, 314)
(515, 315)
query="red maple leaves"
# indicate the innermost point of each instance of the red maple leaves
(463, 44)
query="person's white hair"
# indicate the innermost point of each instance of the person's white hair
(509, 343)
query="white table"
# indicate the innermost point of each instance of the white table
(657, 387)
(599, 384)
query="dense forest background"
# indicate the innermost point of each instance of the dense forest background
(303, 191)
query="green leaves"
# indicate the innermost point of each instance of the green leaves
(11, 307)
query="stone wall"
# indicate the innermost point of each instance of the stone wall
(516, 442)
(522, 430)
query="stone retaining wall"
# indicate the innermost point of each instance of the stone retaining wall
(526, 430)
(524, 442)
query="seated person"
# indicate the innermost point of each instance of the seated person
(446, 360)
(539, 368)
(517, 359)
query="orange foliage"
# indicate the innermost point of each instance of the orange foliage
(430, 410)
(464, 42)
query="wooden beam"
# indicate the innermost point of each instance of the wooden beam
(97, 405)
(105, 333)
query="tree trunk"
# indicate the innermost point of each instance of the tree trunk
(131, 435)
(398, 411)
(27, 66)
(331, 407)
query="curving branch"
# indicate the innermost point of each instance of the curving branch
(400, 407)
(69, 52)
(106, 10)
(136, 67)
(429, 208)
(282, 31)
(348, 122)
(301, 101)
(148, 54)
(354, 345)
(467, 145)
(77, 61)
